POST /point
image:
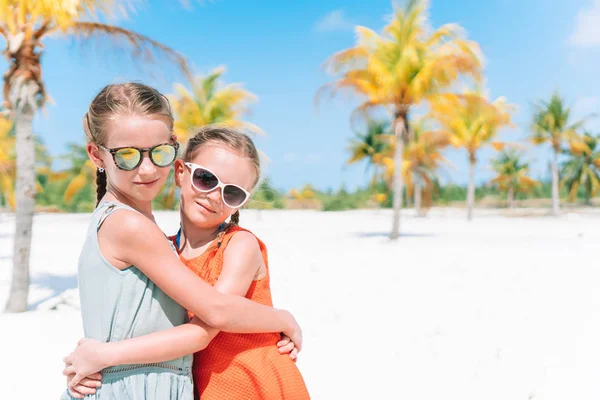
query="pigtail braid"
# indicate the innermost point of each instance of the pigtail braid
(100, 185)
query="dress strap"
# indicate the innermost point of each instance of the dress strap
(110, 208)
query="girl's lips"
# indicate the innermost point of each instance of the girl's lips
(206, 208)
(146, 184)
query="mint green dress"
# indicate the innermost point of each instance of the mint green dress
(122, 304)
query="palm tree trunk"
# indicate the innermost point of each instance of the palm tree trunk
(555, 193)
(25, 204)
(588, 193)
(511, 197)
(398, 183)
(471, 188)
(417, 197)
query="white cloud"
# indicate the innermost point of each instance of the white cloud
(587, 27)
(335, 21)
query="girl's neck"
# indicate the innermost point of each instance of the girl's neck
(143, 207)
(193, 239)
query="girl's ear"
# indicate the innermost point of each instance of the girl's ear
(179, 171)
(93, 152)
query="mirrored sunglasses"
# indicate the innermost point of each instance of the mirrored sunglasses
(129, 158)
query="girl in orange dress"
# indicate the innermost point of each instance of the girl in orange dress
(219, 169)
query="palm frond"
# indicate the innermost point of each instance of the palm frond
(142, 47)
(209, 102)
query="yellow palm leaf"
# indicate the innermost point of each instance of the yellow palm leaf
(573, 191)
(380, 198)
(208, 103)
(402, 65)
(471, 119)
(8, 189)
(579, 147)
(499, 146)
(308, 194)
(75, 187)
(63, 14)
(528, 182)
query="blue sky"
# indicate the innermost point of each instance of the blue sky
(276, 49)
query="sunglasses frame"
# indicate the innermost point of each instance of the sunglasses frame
(220, 185)
(113, 153)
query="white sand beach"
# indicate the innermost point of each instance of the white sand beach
(499, 308)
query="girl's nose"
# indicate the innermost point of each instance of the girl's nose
(215, 195)
(146, 167)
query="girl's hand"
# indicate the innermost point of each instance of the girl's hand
(293, 332)
(90, 356)
(88, 385)
(286, 346)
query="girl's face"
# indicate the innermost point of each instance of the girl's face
(207, 209)
(143, 183)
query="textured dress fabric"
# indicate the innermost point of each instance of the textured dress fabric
(243, 366)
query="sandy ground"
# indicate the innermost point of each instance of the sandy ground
(500, 308)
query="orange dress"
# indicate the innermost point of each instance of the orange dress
(242, 366)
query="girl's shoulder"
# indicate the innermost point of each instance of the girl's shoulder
(237, 237)
(119, 223)
(124, 219)
(240, 233)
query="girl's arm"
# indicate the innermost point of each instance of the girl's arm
(91, 356)
(152, 254)
(242, 264)
(242, 261)
(164, 345)
(237, 274)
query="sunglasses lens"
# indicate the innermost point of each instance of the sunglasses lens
(127, 158)
(233, 196)
(163, 155)
(204, 180)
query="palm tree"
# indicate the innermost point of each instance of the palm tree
(23, 25)
(209, 102)
(512, 174)
(400, 68)
(424, 158)
(8, 165)
(583, 168)
(421, 161)
(371, 145)
(551, 123)
(81, 173)
(473, 122)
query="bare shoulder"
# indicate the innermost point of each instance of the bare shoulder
(243, 242)
(125, 224)
(243, 252)
(242, 264)
(125, 234)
